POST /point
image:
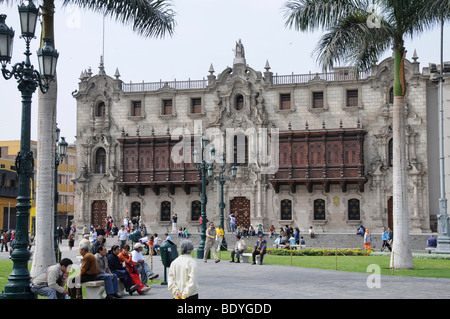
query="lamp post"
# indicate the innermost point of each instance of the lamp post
(222, 179)
(60, 153)
(203, 167)
(443, 240)
(28, 80)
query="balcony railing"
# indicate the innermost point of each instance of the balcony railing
(154, 86)
(332, 76)
(276, 79)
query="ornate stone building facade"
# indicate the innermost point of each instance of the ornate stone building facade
(312, 149)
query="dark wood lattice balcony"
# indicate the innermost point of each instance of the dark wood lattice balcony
(325, 156)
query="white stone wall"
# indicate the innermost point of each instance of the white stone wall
(374, 114)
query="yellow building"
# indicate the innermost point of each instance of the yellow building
(8, 152)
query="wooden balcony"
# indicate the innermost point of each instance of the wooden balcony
(146, 163)
(322, 157)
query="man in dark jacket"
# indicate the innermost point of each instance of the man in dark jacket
(121, 272)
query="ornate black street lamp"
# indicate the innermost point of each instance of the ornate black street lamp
(222, 179)
(203, 167)
(28, 80)
(60, 153)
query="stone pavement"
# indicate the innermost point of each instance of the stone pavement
(225, 280)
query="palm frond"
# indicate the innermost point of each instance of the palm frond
(150, 18)
(353, 42)
(314, 14)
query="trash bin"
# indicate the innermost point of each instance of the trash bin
(169, 253)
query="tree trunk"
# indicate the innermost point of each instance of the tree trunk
(401, 257)
(44, 253)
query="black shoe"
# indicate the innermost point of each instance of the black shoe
(231, 261)
(237, 262)
(133, 289)
(116, 295)
(109, 297)
(217, 261)
(253, 263)
(154, 276)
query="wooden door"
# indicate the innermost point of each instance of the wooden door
(240, 208)
(390, 210)
(98, 213)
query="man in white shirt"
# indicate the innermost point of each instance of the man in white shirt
(183, 273)
(144, 269)
(239, 249)
(122, 236)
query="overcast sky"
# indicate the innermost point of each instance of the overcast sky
(206, 33)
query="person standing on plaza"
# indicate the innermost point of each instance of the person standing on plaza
(259, 249)
(183, 273)
(232, 223)
(174, 223)
(210, 243)
(297, 236)
(122, 236)
(219, 236)
(4, 240)
(71, 239)
(367, 239)
(385, 238)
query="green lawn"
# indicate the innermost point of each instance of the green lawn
(437, 268)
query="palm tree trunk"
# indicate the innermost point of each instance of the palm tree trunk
(401, 257)
(44, 254)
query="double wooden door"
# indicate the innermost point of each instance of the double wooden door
(99, 213)
(240, 208)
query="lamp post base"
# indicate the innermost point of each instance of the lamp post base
(443, 240)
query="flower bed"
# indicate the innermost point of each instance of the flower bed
(319, 252)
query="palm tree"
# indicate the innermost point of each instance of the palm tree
(355, 34)
(149, 18)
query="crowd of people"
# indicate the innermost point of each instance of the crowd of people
(99, 263)
(129, 266)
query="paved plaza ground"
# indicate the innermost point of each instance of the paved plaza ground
(225, 280)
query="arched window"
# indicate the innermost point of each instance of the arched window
(354, 209)
(135, 209)
(240, 149)
(286, 209)
(319, 209)
(391, 96)
(390, 152)
(100, 161)
(196, 210)
(100, 110)
(239, 102)
(165, 211)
